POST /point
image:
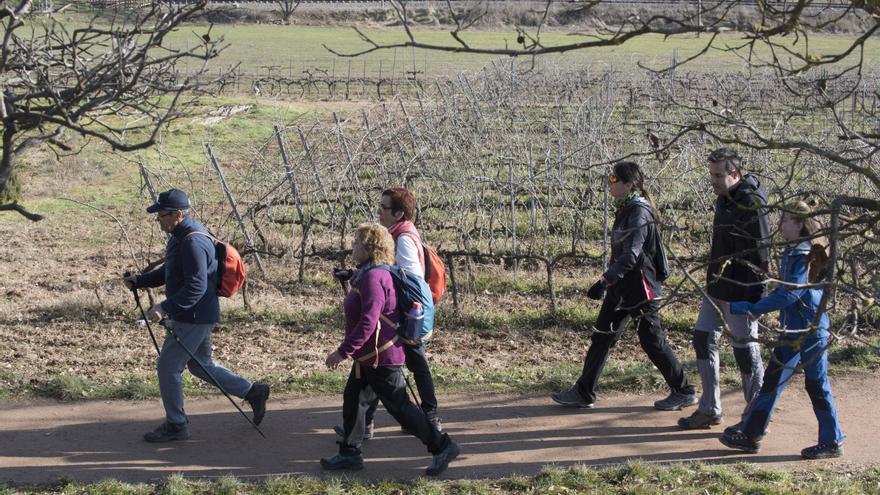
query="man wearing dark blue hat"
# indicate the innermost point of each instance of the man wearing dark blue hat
(193, 309)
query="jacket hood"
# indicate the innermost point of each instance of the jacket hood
(801, 248)
(747, 186)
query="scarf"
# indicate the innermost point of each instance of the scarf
(401, 227)
(620, 203)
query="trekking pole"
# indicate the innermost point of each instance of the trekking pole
(209, 375)
(413, 392)
(137, 300)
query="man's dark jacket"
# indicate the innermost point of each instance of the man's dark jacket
(189, 276)
(632, 275)
(740, 235)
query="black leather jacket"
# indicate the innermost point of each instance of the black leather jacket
(740, 235)
(632, 275)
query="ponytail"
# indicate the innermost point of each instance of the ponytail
(817, 263)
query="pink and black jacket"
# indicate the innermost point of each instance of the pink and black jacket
(632, 276)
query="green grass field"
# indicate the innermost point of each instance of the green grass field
(291, 48)
(288, 50)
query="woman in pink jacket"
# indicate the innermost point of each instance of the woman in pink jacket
(371, 342)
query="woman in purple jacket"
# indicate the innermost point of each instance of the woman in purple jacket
(371, 342)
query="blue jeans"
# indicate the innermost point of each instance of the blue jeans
(788, 354)
(173, 359)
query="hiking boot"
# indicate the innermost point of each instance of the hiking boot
(441, 461)
(368, 431)
(699, 421)
(257, 397)
(822, 451)
(738, 428)
(167, 432)
(340, 461)
(676, 401)
(741, 441)
(571, 398)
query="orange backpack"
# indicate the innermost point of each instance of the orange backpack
(231, 271)
(435, 270)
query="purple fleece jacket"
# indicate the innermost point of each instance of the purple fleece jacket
(372, 295)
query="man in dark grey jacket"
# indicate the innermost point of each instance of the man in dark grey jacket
(736, 272)
(190, 278)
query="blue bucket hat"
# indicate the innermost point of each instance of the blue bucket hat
(172, 199)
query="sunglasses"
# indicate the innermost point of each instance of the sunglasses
(613, 178)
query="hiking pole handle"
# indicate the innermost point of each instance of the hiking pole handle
(343, 276)
(209, 375)
(137, 300)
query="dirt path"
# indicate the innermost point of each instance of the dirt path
(500, 436)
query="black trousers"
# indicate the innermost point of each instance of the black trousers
(417, 364)
(610, 324)
(385, 383)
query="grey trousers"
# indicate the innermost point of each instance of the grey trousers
(707, 334)
(173, 359)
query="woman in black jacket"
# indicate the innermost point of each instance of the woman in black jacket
(632, 287)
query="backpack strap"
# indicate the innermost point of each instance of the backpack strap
(214, 240)
(387, 345)
(418, 340)
(387, 269)
(420, 247)
(374, 355)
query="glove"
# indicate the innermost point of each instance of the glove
(342, 275)
(597, 291)
(129, 280)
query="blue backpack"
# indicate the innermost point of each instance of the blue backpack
(410, 288)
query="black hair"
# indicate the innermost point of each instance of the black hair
(727, 157)
(630, 172)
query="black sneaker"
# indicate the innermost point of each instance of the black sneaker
(368, 431)
(339, 461)
(738, 428)
(741, 441)
(699, 421)
(257, 397)
(823, 451)
(442, 460)
(571, 398)
(167, 432)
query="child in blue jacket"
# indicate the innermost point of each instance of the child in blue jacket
(803, 339)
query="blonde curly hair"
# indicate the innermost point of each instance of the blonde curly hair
(377, 241)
